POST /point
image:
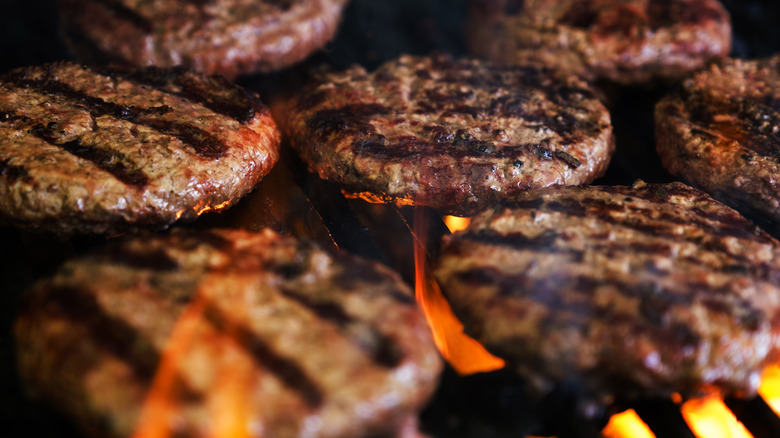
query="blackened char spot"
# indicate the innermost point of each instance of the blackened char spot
(125, 13)
(286, 370)
(581, 14)
(349, 118)
(375, 144)
(474, 146)
(12, 172)
(659, 13)
(514, 6)
(439, 133)
(567, 158)
(284, 5)
(381, 348)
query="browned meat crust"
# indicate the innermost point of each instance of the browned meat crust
(318, 344)
(229, 37)
(456, 135)
(628, 292)
(89, 152)
(626, 41)
(721, 132)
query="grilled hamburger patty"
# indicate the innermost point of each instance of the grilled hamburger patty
(229, 37)
(628, 291)
(290, 339)
(721, 132)
(456, 135)
(101, 152)
(626, 41)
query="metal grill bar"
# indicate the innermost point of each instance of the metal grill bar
(664, 418)
(756, 415)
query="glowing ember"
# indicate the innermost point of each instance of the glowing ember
(770, 387)
(456, 223)
(466, 355)
(627, 425)
(710, 418)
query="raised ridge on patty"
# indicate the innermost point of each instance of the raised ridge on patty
(720, 131)
(105, 152)
(229, 37)
(625, 41)
(456, 135)
(623, 291)
(292, 339)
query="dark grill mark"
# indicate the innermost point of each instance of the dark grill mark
(582, 15)
(217, 93)
(567, 158)
(656, 221)
(205, 144)
(291, 375)
(562, 293)
(197, 238)
(518, 241)
(284, 5)
(154, 259)
(110, 162)
(380, 347)
(124, 13)
(114, 163)
(350, 118)
(112, 334)
(201, 141)
(12, 172)
(6, 117)
(659, 14)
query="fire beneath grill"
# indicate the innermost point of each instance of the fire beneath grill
(487, 400)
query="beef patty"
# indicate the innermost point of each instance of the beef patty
(626, 291)
(104, 152)
(229, 37)
(456, 135)
(270, 333)
(626, 41)
(721, 132)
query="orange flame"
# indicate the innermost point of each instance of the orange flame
(710, 418)
(627, 424)
(228, 401)
(456, 223)
(770, 387)
(158, 409)
(466, 355)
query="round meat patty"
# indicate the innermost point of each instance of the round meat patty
(106, 152)
(456, 135)
(625, 41)
(229, 37)
(622, 291)
(266, 333)
(721, 132)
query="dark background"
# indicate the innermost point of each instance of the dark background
(372, 31)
